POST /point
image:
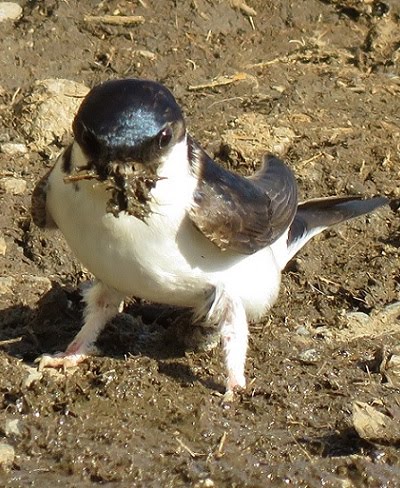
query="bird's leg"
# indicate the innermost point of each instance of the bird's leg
(102, 304)
(228, 313)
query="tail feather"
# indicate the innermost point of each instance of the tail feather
(314, 216)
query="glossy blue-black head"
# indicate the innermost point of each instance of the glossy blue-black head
(127, 121)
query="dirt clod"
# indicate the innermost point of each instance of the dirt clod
(10, 11)
(49, 109)
(373, 425)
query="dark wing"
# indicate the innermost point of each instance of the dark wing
(242, 214)
(39, 212)
(314, 216)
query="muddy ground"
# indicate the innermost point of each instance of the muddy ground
(318, 83)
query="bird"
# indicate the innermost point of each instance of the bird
(151, 215)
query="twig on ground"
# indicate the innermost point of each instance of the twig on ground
(124, 20)
(243, 7)
(222, 81)
(192, 453)
(6, 342)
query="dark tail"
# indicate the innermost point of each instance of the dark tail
(314, 216)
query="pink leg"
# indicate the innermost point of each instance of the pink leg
(102, 304)
(228, 312)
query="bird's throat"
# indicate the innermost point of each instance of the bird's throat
(129, 185)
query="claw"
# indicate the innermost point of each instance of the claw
(102, 304)
(60, 360)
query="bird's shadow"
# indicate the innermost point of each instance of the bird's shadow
(141, 330)
(344, 442)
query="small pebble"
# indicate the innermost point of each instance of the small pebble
(206, 483)
(302, 330)
(10, 11)
(34, 375)
(7, 455)
(309, 356)
(40, 283)
(11, 428)
(3, 246)
(6, 284)
(12, 148)
(15, 186)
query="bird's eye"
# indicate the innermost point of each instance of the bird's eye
(165, 137)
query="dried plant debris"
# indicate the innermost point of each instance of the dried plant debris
(383, 41)
(222, 80)
(251, 135)
(124, 20)
(372, 425)
(389, 366)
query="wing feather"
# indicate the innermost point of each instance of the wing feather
(242, 214)
(39, 213)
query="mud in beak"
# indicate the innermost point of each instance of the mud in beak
(131, 185)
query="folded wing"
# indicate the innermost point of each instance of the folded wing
(242, 214)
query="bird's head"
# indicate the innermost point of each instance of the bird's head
(125, 128)
(127, 122)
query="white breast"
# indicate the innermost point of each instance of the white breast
(166, 259)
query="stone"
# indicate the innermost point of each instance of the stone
(15, 186)
(10, 11)
(11, 428)
(40, 283)
(34, 375)
(49, 110)
(3, 246)
(13, 148)
(6, 284)
(7, 455)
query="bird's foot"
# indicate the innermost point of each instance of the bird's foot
(102, 304)
(75, 353)
(60, 360)
(235, 383)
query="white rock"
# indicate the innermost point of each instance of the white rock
(15, 186)
(12, 148)
(3, 246)
(302, 330)
(205, 483)
(11, 428)
(40, 283)
(358, 318)
(10, 11)
(49, 110)
(309, 356)
(7, 455)
(6, 284)
(34, 375)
